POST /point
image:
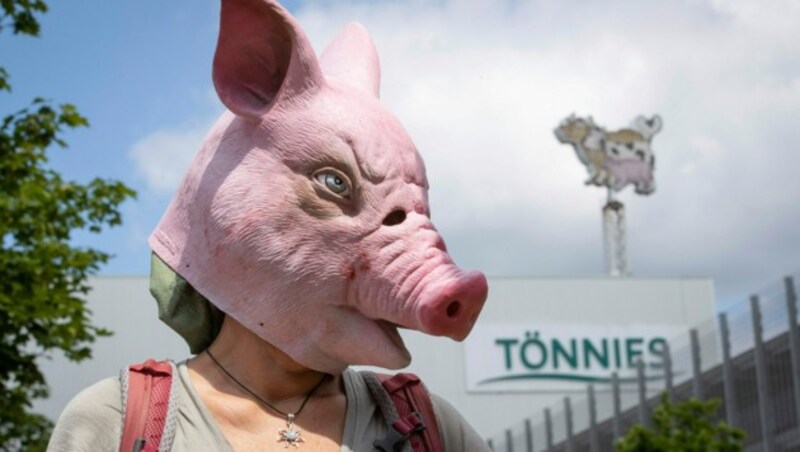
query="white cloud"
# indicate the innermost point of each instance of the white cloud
(707, 147)
(163, 156)
(688, 168)
(480, 84)
(772, 17)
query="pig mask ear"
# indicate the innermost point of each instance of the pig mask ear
(352, 59)
(262, 57)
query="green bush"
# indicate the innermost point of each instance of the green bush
(688, 426)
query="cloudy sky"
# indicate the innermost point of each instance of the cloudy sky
(480, 85)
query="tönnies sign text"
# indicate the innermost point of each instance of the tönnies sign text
(550, 357)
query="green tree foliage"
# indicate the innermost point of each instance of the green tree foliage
(43, 278)
(20, 16)
(689, 426)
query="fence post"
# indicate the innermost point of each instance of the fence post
(668, 371)
(548, 429)
(697, 369)
(594, 441)
(528, 436)
(764, 402)
(568, 422)
(728, 378)
(617, 423)
(509, 441)
(794, 343)
(643, 418)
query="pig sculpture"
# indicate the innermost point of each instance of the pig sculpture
(298, 243)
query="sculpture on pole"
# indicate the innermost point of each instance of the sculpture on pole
(614, 160)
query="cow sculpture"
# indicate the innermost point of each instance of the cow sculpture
(614, 159)
(298, 243)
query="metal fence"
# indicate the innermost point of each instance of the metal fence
(748, 358)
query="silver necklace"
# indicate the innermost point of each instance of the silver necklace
(289, 436)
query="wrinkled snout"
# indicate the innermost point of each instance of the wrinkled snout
(405, 276)
(451, 306)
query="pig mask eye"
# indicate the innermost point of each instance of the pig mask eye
(334, 181)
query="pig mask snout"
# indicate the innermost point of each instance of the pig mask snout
(451, 308)
(409, 279)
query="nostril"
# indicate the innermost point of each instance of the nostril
(453, 308)
(396, 217)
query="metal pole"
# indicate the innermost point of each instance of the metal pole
(669, 386)
(568, 422)
(615, 237)
(764, 402)
(643, 418)
(528, 436)
(794, 343)
(727, 371)
(617, 423)
(697, 373)
(548, 429)
(509, 441)
(594, 440)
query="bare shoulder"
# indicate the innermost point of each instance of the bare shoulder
(91, 420)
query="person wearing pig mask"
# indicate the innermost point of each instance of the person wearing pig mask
(298, 243)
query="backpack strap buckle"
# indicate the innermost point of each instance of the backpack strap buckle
(401, 431)
(408, 410)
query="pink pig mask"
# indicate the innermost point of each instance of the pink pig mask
(305, 214)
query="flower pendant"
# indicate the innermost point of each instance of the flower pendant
(290, 436)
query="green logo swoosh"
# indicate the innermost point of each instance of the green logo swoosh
(566, 377)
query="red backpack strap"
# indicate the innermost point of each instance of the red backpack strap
(149, 410)
(411, 415)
